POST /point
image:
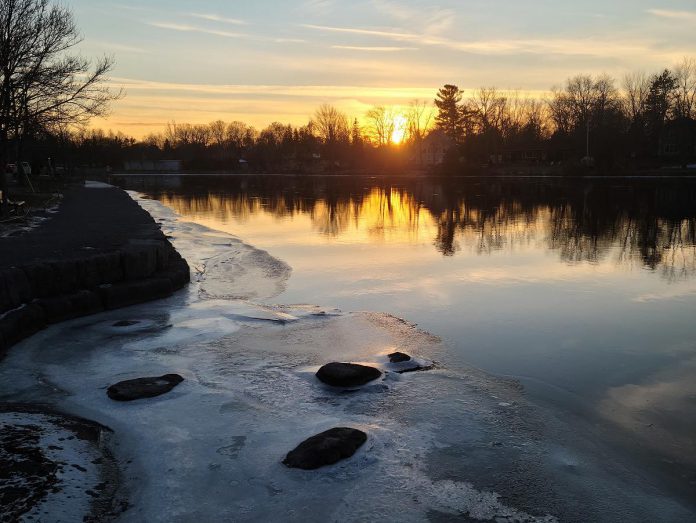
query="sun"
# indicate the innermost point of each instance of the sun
(399, 132)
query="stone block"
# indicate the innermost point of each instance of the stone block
(131, 292)
(42, 280)
(21, 323)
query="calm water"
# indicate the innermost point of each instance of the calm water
(585, 291)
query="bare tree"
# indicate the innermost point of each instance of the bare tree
(331, 124)
(41, 85)
(581, 95)
(240, 136)
(381, 125)
(685, 75)
(419, 118)
(636, 87)
(218, 133)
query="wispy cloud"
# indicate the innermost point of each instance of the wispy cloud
(373, 49)
(111, 46)
(186, 28)
(217, 18)
(548, 46)
(358, 31)
(673, 14)
(308, 91)
(195, 29)
(434, 21)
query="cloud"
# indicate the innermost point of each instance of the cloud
(186, 28)
(590, 46)
(291, 91)
(373, 49)
(218, 18)
(672, 14)
(431, 21)
(111, 46)
(358, 31)
(195, 29)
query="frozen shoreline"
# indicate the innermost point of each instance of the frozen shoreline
(440, 443)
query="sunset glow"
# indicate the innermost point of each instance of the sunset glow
(267, 61)
(399, 129)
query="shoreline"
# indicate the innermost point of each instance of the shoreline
(651, 174)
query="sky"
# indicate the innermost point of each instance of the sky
(260, 61)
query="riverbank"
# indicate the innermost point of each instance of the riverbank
(98, 251)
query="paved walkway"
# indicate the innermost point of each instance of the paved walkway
(91, 219)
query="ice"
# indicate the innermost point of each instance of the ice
(225, 266)
(448, 443)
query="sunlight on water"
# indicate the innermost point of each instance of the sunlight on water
(583, 290)
(469, 223)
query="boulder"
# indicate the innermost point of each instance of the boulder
(140, 388)
(326, 448)
(398, 357)
(347, 374)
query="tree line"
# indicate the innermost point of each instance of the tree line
(588, 119)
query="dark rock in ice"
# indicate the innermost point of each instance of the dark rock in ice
(139, 388)
(326, 448)
(347, 374)
(415, 368)
(398, 357)
(125, 323)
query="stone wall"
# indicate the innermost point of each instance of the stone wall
(39, 294)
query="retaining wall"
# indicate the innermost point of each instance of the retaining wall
(35, 295)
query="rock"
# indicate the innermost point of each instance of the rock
(415, 368)
(347, 374)
(399, 357)
(326, 448)
(125, 323)
(139, 388)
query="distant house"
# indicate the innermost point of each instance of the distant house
(434, 148)
(678, 139)
(168, 166)
(523, 153)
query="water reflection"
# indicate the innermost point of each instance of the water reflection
(647, 222)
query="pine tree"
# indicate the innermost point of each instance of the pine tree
(450, 117)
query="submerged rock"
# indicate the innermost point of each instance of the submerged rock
(347, 374)
(326, 448)
(126, 323)
(398, 357)
(139, 388)
(415, 368)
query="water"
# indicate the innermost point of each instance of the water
(583, 286)
(575, 298)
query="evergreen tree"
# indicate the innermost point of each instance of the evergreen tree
(450, 117)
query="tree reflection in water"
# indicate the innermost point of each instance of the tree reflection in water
(651, 222)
